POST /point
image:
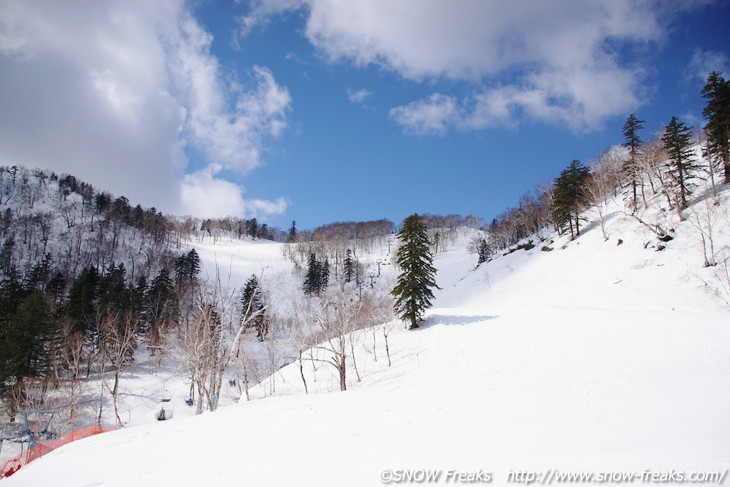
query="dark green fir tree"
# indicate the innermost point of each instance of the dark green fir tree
(292, 236)
(313, 277)
(632, 142)
(413, 291)
(568, 200)
(677, 139)
(717, 113)
(348, 266)
(252, 308)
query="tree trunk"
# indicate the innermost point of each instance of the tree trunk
(387, 348)
(301, 372)
(342, 368)
(354, 363)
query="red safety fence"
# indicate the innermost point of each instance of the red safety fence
(13, 465)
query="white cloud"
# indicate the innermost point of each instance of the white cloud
(704, 62)
(257, 207)
(431, 116)
(551, 61)
(358, 96)
(115, 92)
(551, 97)
(203, 194)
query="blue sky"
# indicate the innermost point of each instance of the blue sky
(325, 110)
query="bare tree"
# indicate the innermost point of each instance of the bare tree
(72, 346)
(704, 221)
(300, 338)
(336, 320)
(377, 308)
(600, 186)
(651, 161)
(203, 343)
(118, 330)
(712, 159)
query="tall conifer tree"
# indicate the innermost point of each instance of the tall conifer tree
(252, 302)
(568, 197)
(632, 143)
(717, 113)
(677, 141)
(413, 292)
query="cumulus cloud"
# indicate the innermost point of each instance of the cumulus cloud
(557, 61)
(203, 194)
(119, 92)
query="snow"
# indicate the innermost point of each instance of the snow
(592, 357)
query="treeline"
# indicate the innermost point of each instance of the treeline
(665, 165)
(336, 246)
(55, 328)
(187, 228)
(85, 277)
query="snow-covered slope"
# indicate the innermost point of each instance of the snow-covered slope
(594, 357)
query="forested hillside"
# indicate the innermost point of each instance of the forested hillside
(85, 278)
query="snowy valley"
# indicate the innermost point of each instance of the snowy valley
(556, 355)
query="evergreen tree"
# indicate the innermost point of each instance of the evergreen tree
(187, 268)
(160, 303)
(313, 277)
(253, 228)
(6, 255)
(632, 142)
(483, 251)
(568, 196)
(24, 339)
(348, 266)
(81, 303)
(193, 264)
(677, 141)
(292, 237)
(56, 287)
(717, 112)
(11, 295)
(251, 303)
(324, 274)
(138, 294)
(413, 292)
(37, 277)
(102, 202)
(112, 290)
(265, 233)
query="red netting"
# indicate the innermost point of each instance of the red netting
(13, 465)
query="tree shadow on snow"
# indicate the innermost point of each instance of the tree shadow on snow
(453, 320)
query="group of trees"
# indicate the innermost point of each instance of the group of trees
(240, 228)
(85, 277)
(57, 329)
(665, 164)
(317, 277)
(43, 213)
(530, 217)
